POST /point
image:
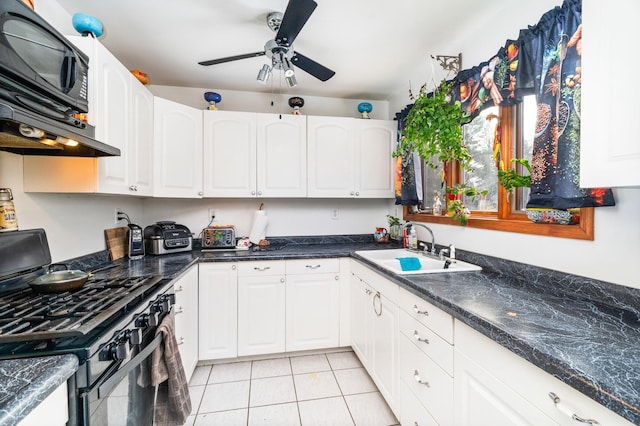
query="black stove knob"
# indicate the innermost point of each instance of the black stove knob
(153, 319)
(134, 336)
(119, 350)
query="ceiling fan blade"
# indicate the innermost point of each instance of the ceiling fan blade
(296, 15)
(312, 67)
(232, 58)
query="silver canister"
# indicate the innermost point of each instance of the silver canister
(8, 219)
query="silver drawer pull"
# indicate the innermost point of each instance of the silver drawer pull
(312, 266)
(418, 338)
(178, 290)
(416, 375)
(419, 312)
(179, 310)
(569, 412)
(181, 341)
(263, 268)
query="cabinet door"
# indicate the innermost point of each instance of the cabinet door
(313, 309)
(229, 147)
(374, 165)
(112, 115)
(261, 314)
(609, 149)
(218, 311)
(281, 155)
(177, 161)
(331, 157)
(480, 398)
(361, 320)
(186, 318)
(384, 333)
(141, 138)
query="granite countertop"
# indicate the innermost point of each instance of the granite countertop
(584, 332)
(26, 382)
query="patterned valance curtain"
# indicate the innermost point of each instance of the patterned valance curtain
(545, 61)
(408, 173)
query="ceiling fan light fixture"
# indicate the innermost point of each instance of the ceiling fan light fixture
(291, 80)
(264, 74)
(287, 68)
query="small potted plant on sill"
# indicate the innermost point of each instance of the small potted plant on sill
(455, 207)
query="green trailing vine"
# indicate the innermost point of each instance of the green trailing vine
(510, 179)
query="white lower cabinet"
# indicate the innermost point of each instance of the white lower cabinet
(313, 304)
(495, 386)
(218, 311)
(261, 307)
(412, 411)
(374, 329)
(186, 318)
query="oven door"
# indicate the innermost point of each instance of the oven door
(124, 396)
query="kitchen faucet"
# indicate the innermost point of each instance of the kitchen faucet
(433, 239)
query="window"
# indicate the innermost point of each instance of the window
(497, 210)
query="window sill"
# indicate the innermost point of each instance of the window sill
(581, 231)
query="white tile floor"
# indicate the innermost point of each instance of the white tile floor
(331, 389)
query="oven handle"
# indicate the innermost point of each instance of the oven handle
(107, 386)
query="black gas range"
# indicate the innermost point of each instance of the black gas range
(109, 324)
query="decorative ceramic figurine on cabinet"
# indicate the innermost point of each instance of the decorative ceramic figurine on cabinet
(365, 108)
(141, 76)
(87, 25)
(296, 103)
(212, 98)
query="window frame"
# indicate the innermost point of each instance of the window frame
(505, 219)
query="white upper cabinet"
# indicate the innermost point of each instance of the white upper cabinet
(254, 155)
(177, 150)
(229, 154)
(281, 155)
(350, 157)
(609, 147)
(121, 109)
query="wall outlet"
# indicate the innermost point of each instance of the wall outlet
(212, 215)
(115, 215)
(335, 214)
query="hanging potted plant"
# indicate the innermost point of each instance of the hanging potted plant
(433, 128)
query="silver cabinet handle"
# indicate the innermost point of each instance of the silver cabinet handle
(233, 267)
(367, 291)
(357, 194)
(281, 280)
(200, 193)
(312, 266)
(178, 290)
(259, 192)
(179, 310)
(337, 277)
(566, 410)
(416, 376)
(418, 338)
(253, 192)
(181, 341)
(131, 188)
(262, 268)
(419, 312)
(352, 193)
(375, 309)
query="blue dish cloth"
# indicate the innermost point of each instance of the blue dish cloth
(409, 263)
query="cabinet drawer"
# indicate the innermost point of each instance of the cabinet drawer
(412, 412)
(428, 382)
(385, 286)
(435, 319)
(267, 267)
(428, 342)
(313, 266)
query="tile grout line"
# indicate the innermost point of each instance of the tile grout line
(341, 392)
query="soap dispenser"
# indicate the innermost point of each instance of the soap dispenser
(413, 239)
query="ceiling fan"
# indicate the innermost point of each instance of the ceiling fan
(280, 49)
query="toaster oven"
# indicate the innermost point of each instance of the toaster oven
(217, 237)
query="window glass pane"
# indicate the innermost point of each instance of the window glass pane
(478, 137)
(524, 145)
(432, 179)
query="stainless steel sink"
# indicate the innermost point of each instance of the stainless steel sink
(388, 259)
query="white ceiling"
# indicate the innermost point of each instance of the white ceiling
(370, 44)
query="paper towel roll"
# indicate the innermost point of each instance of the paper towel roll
(259, 226)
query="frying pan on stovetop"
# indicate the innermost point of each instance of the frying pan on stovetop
(60, 281)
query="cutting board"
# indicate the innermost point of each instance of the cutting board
(117, 242)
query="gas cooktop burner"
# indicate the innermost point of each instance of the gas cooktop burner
(26, 315)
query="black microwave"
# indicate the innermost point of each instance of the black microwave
(38, 65)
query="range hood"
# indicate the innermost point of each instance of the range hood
(23, 131)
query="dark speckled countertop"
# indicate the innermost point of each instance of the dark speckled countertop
(582, 331)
